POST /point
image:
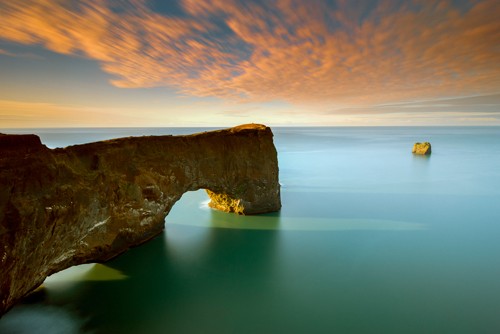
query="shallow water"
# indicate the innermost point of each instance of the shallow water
(371, 239)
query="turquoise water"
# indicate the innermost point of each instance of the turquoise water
(371, 239)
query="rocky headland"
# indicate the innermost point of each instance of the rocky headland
(89, 203)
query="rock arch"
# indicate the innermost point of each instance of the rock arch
(91, 202)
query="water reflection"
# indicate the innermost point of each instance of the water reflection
(267, 221)
(225, 276)
(421, 161)
(85, 272)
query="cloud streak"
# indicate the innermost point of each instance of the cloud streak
(360, 53)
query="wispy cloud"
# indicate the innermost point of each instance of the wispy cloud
(7, 53)
(472, 105)
(361, 53)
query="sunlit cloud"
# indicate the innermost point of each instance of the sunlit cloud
(18, 114)
(302, 52)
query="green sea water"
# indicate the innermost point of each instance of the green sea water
(370, 239)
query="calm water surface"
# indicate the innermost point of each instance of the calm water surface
(371, 239)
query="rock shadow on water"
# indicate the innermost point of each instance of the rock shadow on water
(186, 279)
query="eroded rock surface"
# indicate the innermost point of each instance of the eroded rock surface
(89, 203)
(422, 148)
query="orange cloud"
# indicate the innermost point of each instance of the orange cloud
(297, 51)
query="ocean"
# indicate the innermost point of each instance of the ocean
(370, 239)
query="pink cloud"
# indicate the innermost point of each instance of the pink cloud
(297, 51)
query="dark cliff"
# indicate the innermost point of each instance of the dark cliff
(89, 203)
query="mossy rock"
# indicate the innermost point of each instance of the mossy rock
(422, 148)
(224, 202)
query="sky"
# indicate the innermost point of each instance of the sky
(162, 63)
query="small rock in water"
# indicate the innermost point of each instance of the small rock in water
(422, 148)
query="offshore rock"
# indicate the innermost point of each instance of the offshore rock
(91, 202)
(422, 148)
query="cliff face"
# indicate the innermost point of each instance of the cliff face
(89, 203)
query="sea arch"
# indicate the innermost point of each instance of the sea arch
(89, 203)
